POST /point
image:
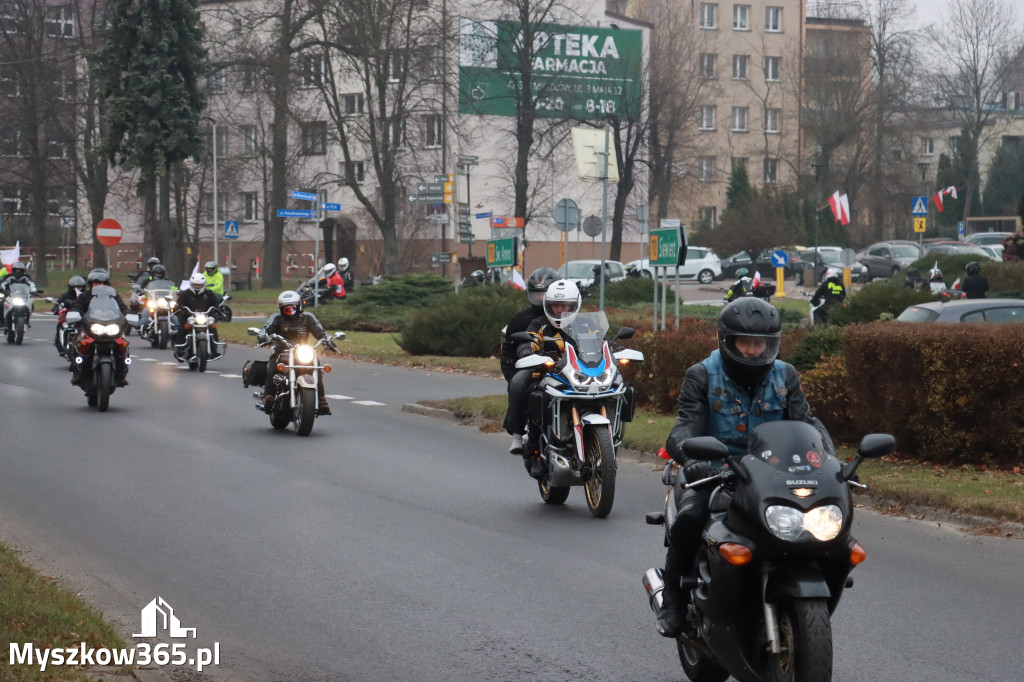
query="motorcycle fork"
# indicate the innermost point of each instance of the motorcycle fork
(771, 622)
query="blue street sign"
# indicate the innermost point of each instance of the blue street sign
(961, 228)
(331, 207)
(780, 258)
(291, 213)
(484, 215)
(230, 229)
(309, 196)
(919, 206)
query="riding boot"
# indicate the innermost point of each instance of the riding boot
(672, 618)
(323, 408)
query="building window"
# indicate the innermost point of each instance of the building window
(954, 146)
(773, 19)
(312, 70)
(222, 141)
(250, 139)
(353, 103)
(314, 138)
(772, 120)
(739, 119)
(15, 201)
(10, 85)
(771, 170)
(249, 78)
(709, 66)
(60, 21)
(396, 134)
(251, 202)
(707, 168)
(218, 81)
(352, 171)
(709, 15)
(60, 201)
(434, 131)
(57, 147)
(10, 17)
(709, 216)
(739, 66)
(207, 206)
(741, 17)
(707, 118)
(13, 144)
(772, 67)
(738, 162)
(927, 146)
(394, 67)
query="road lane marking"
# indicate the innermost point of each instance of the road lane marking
(368, 402)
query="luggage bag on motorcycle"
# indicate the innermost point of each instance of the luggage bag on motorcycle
(254, 373)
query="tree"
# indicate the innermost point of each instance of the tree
(777, 222)
(739, 191)
(1005, 180)
(152, 63)
(976, 46)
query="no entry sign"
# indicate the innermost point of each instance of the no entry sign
(108, 232)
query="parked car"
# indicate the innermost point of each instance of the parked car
(764, 264)
(958, 248)
(998, 310)
(827, 257)
(702, 264)
(987, 238)
(582, 271)
(994, 251)
(885, 259)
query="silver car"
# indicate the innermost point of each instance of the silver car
(885, 259)
(998, 310)
(702, 264)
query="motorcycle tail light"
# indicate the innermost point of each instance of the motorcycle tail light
(327, 368)
(735, 554)
(857, 554)
(280, 367)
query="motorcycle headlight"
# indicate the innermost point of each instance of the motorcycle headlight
(789, 523)
(151, 304)
(105, 329)
(200, 318)
(305, 355)
(162, 303)
(581, 381)
(17, 301)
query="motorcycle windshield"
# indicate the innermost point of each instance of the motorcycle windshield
(587, 331)
(20, 290)
(103, 307)
(158, 292)
(789, 446)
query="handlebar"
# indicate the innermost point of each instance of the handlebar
(724, 476)
(277, 338)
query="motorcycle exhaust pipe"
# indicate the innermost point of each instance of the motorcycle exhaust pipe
(655, 587)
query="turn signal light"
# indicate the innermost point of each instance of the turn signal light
(735, 554)
(857, 554)
(280, 367)
(327, 368)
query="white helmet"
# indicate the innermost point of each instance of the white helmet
(289, 303)
(329, 270)
(343, 264)
(562, 303)
(198, 282)
(831, 272)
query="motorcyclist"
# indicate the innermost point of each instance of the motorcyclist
(214, 280)
(143, 277)
(515, 419)
(975, 284)
(76, 285)
(742, 287)
(17, 276)
(198, 298)
(347, 278)
(831, 293)
(96, 278)
(562, 302)
(334, 284)
(935, 281)
(476, 278)
(157, 280)
(740, 385)
(295, 326)
(913, 279)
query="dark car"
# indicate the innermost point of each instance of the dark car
(885, 259)
(998, 310)
(825, 258)
(764, 264)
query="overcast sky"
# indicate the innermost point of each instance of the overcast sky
(930, 11)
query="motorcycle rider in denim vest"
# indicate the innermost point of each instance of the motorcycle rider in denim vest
(740, 385)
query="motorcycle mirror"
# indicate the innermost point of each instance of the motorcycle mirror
(339, 335)
(876, 445)
(253, 331)
(131, 318)
(521, 337)
(705, 448)
(50, 299)
(73, 317)
(625, 333)
(226, 298)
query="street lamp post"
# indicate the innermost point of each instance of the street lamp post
(213, 124)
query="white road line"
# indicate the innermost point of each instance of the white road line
(368, 402)
(339, 397)
(232, 376)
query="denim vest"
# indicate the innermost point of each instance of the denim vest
(732, 413)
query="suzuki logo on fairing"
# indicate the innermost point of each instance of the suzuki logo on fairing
(803, 482)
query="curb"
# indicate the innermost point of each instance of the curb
(424, 410)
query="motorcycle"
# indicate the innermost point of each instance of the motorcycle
(159, 300)
(17, 311)
(199, 346)
(66, 332)
(775, 555)
(296, 394)
(99, 346)
(582, 405)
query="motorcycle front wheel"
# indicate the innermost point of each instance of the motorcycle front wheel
(203, 357)
(307, 412)
(600, 487)
(805, 633)
(163, 334)
(103, 387)
(19, 331)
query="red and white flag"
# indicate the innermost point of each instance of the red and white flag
(757, 280)
(951, 191)
(840, 207)
(11, 256)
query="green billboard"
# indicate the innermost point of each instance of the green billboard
(665, 247)
(577, 72)
(501, 253)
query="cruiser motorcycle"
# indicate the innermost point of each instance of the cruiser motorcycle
(776, 554)
(296, 395)
(199, 346)
(101, 361)
(581, 405)
(159, 301)
(17, 311)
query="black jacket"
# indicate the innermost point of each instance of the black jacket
(520, 322)
(197, 303)
(974, 286)
(296, 328)
(694, 408)
(832, 290)
(81, 304)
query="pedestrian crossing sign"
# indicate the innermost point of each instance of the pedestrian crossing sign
(231, 229)
(919, 206)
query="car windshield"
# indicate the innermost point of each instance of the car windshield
(905, 251)
(579, 270)
(918, 314)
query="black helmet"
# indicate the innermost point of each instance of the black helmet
(913, 272)
(973, 268)
(159, 271)
(152, 261)
(99, 275)
(540, 280)
(76, 282)
(744, 319)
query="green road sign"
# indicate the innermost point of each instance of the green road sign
(579, 72)
(665, 247)
(501, 253)
(438, 258)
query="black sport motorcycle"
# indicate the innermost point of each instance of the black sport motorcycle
(101, 361)
(775, 556)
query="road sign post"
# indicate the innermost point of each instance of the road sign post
(666, 247)
(779, 259)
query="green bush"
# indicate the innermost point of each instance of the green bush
(952, 265)
(666, 356)
(465, 324)
(384, 306)
(1005, 279)
(816, 345)
(632, 292)
(881, 296)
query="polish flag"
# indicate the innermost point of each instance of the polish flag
(11, 256)
(840, 207)
(951, 191)
(757, 280)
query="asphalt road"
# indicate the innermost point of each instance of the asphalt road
(391, 546)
